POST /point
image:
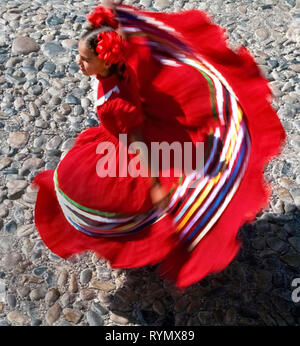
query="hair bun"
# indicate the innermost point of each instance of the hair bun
(102, 16)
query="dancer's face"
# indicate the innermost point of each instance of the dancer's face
(89, 63)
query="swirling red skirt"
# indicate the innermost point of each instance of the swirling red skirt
(158, 242)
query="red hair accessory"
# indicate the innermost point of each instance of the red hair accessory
(109, 47)
(102, 16)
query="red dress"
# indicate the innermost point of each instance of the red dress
(183, 85)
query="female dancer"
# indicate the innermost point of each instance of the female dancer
(166, 81)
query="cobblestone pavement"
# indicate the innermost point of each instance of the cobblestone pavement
(45, 102)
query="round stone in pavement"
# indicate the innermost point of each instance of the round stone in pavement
(118, 318)
(85, 276)
(17, 318)
(10, 260)
(161, 4)
(94, 319)
(51, 49)
(17, 139)
(24, 45)
(54, 21)
(53, 314)
(11, 226)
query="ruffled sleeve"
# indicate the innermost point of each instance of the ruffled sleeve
(121, 115)
(120, 111)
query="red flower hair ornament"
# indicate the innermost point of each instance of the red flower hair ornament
(109, 44)
(110, 47)
(102, 16)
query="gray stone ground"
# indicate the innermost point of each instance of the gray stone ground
(45, 102)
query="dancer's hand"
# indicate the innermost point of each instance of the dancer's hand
(159, 196)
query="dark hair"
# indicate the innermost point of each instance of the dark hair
(89, 38)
